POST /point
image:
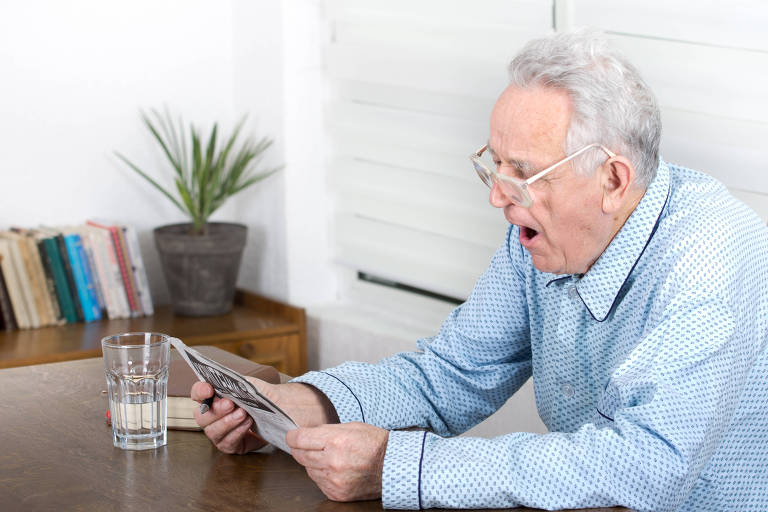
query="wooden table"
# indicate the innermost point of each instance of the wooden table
(57, 454)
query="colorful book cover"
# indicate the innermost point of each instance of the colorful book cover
(88, 250)
(130, 290)
(63, 291)
(90, 279)
(126, 259)
(49, 282)
(66, 262)
(123, 309)
(82, 276)
(111, 283)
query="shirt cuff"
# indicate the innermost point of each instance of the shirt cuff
(347, 405)
(401, 478)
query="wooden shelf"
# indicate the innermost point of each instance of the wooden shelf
(257, 328)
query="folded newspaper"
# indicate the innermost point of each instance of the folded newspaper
(269, 421)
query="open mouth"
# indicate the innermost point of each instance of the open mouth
(527, 235)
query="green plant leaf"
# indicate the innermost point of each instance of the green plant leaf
(166, 123)
(153, 182)
(206, 174)
(197, 161)
(255, 179)
(186, 196)
(161, 141)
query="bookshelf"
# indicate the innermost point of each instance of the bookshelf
(260, 329)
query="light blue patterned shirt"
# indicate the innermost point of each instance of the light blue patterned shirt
(650, 371)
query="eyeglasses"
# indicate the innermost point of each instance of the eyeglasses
(517, 189)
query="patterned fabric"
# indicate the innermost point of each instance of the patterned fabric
(650, 371)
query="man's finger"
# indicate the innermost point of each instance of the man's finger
(232, 442)
(221, 407)
(200, 391)
(219, 429)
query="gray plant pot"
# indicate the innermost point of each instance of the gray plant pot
(201, 270)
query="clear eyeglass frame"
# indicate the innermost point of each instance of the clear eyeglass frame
(515, 188)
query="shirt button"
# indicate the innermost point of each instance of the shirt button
(573, 292)
(567, 390)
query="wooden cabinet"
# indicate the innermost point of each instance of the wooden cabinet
(259, 329)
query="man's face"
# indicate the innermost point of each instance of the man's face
(564, 229)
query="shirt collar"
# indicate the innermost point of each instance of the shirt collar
(600, 286)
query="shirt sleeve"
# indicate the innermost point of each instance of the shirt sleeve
(455, 379)
(663, 413)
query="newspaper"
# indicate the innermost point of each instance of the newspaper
(269, 421)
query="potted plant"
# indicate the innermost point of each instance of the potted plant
(201, 259)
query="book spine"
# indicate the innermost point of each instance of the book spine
(137, 262)
(6, 308)
(94, 275)
(83, 280)
(132, 306)
(107, 285)
(49, 283)
(66, 262)
(125, 268)
(89, 277)
(60, 282)
(113, 266)
(14, 286)
(37, 279)
(19, 259)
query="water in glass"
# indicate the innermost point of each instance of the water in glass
(136, 366)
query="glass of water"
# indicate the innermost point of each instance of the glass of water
(136, 365)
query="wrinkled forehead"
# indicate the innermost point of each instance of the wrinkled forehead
(530, 124)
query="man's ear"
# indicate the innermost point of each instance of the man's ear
(617, 177)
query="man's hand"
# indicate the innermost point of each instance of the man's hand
(346, 461)
(228, 426)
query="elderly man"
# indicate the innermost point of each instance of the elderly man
(633, 290)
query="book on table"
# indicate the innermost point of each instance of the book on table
(270, 422)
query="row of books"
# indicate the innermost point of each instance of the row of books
(55, 276)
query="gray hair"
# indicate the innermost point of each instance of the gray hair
(612, 105)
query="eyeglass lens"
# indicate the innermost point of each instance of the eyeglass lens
(510, 190)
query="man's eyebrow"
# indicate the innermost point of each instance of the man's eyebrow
(523, 166)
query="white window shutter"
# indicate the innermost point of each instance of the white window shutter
(412, 86)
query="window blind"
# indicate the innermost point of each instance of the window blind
(412, 86)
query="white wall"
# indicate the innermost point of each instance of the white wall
(312, 277)
(76, 73)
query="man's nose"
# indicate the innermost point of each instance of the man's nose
(497, 198)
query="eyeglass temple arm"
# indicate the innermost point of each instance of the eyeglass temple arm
(480, 151)
(561, 162)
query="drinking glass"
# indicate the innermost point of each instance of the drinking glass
(136, 365)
